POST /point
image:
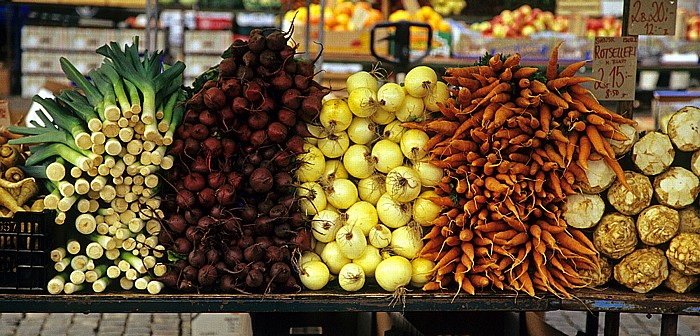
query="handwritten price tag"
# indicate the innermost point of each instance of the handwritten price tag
(652, 17)
(615, 67)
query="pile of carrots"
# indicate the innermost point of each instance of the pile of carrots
(514, 141)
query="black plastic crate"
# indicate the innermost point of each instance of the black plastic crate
(24, 252)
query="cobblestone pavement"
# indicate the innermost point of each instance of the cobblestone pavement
(171, 324)
(569, 323)
(95, 324)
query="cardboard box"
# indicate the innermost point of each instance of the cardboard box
(340, 42)
(206, 42)
(581, 7)
(222, 324)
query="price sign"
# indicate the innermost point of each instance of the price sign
(615, 67)
(652, 17)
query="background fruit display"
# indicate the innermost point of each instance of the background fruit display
(339, 17)
(425, 14)
(523, 21)
(605, 26)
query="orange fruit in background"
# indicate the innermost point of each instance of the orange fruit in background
(364, 5)
(342, 19)
(346, 8)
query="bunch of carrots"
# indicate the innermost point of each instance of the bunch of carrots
(513, 142)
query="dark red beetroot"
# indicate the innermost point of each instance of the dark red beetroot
(191, 147)
(227, 67)
(246, 242)
(195, 182)
(273, 254)
(189, 272)
(268, 58)
(213, 256)
(297, 220)
(176, 223)
(282, 81)
(200, 132)
(245, 73)
(177, 148)
(291, 99)
(283, 179)
(208, 118)
(214, 98)
(310, 108)
(216, 179)
(184, 131)
(240, 105)
(258, 138)
(261, 180)
(302, 239)
(200, 165)
(264, 241)
(287, 117)
(256, 42)
(253, 253)
(212, 146)
(291, 286)
(254, 279)
(296, 144)
(232, 224)
(228, 283)
(197, 101)
(193, 215)
(267, 106)
(193, 233)
(251, 59)
(244, 133)
(233, 256)
(186, 286)
(280, 272)
(276, 41)
(249, 213)
(235, 179)
(264, 226)
(253, 91)
(258, 120)
(169, 279)
(277, 132)
(283, 158)
(229, 147)
(226, 195)
(206, 197)
(182, 246)
(185, 199)
(206, 222)
(207, 276)
(197, 258)
(287, 52)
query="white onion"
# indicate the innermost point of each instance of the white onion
(420, 81)
(439, 95)
(392, 213)
(334, 170)
(358, 161)
(388, 155)
(391, 96)
(314, 275)
(422, 271)
(334, 145)
(403, 184)
(362, 130)
(413, 143)
(325, 224)
(341, 194)
(379, 236)
(361, 79)
(363, 102)
(406, 241)
(351, 241)
(335, 115)
(363, 215)
(424, 210)
(369, 260)
(318, 249)
(371, 188)
(412, 109)
(430, 175)
(382, 117)
(393, 131)
(351, 277)
(307, 256)
(393, 273)
(312, 163)
(317, 132)
(312, 198)
(333, 258)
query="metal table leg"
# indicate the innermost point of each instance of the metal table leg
(592, 321)
(669, 325)
(612, 324)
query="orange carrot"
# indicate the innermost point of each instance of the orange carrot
(479, 281)
(512, 61)
(462, 72)
(468, 83)
(444, 127)
(524, 83)
(524, 72)
(552, 65)
(506, 75)
(584, 151)
(538, 87)
(558, 83)
(451, 255)
(567, 241)
(572, 69)
(554, 99)
(579, 90)
(612, 162)
(496, 63)
(578, 172)
(596, 140)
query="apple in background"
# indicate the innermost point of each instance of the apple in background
(528, 30)
(500, 30)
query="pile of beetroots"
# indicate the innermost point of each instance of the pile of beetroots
(232, 221)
